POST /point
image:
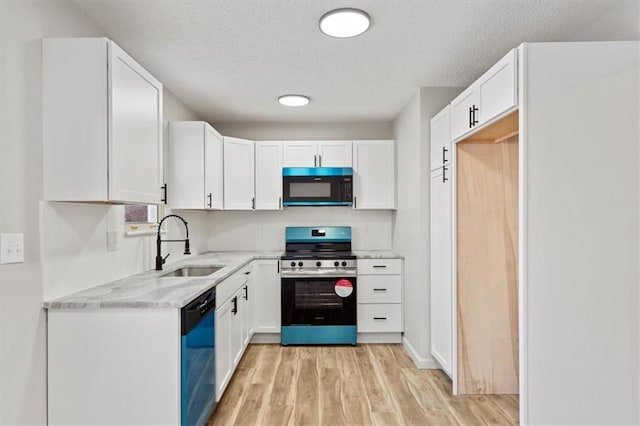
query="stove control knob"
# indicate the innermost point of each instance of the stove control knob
(344, 263)
(318, 264)
(300, 264)
(293, 264)
(336, 263)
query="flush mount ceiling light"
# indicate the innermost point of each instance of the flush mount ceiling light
(345, 23)
(293, 100)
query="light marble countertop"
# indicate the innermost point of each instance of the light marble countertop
(377, 254)
(149, 290)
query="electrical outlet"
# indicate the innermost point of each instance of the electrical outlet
(11, 248)
(112, 241)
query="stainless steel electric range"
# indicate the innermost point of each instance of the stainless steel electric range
(318, 287)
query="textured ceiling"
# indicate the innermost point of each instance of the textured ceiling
(230, 60)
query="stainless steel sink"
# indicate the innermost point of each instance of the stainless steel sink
(193, 271)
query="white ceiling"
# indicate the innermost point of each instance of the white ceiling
(230, 60)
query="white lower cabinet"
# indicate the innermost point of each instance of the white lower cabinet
(265, 293)
(113, 366)
(224, 366)
(380, 300)
(233, 325)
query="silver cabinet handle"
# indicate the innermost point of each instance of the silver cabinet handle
(379, 266)
(379, 289)
(315, 161)
(380, 318)
(319, 160)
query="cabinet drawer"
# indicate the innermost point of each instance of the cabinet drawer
(379, 318)
(379, 266)
(380, 289)
(228, 287)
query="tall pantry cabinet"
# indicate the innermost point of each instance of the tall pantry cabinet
(545, 252)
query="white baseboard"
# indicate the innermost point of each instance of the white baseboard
(420, 362)
(266, 338)
(380, 337)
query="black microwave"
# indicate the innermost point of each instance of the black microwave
(317, 186)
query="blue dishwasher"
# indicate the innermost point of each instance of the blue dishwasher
(198, 369)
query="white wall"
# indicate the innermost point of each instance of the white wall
(411, 220)
(621, 23)
(264, 230)
(73, 253)
(306, 131)
(22, 321)
(582, 249)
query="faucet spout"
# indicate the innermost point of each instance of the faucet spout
(161, 260)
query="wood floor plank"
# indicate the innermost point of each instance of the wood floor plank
(376, 392)
(355, 404)
(344, 385)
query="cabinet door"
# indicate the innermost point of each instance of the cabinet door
(237, 335)
(247, 313)
(441, 139)
(498, 88)
(441, 285)
(374, 174)
(224, 365)
(185, 165)
(463, 118)
(135, 131)
(299, 154)
(335, 154)
(266, 296)
(213, 157)
(268, 175)
(238, 174)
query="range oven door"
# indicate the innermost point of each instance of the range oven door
(319, 301)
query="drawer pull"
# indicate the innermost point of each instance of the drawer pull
(380, 318)
(379, 266)
(379, 289)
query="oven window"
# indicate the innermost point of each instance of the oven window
(310, 189)
(316, 295)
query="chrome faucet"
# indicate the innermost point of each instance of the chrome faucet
(161, 260)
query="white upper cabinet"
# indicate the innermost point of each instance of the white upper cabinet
(299, 154)
(335, 154)
(441, 139)
(317, 154)
(102, 124)
(239, 181)
(268, 175)
(374, 174)
(194, 166)
(493, 94)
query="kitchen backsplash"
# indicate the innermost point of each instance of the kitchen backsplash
(264, 230)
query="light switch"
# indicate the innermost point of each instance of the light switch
(11, 248)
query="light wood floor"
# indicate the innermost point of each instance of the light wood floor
(335, 385)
